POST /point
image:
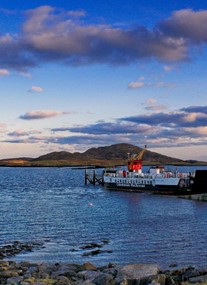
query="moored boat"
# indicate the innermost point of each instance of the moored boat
(157, 179)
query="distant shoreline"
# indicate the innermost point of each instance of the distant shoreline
(92, 166)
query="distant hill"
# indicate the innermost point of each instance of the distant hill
(116, 154)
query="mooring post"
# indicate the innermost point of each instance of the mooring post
(94, 177)
(86, 178)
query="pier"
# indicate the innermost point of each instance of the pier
(92, 177)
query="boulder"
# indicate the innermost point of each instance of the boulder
(104, 279)
(139, 273)
(88, 266)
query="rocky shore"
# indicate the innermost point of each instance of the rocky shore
(27, 273)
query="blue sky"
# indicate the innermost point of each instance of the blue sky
(81, 74)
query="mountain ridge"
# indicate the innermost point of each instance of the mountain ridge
(116, 154)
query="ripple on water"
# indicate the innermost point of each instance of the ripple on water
(54, 206)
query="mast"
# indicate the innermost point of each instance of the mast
(135, 161)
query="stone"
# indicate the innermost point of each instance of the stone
(14, 280)
(104, 279)
(4, 263)
(139, 273)
(120, 281)
(88, 266)
(62, 280)
(190, 272)
(8, 274)
(169, 281)
(161, 279)
(88, 275)
(112, 271)
(198, 279)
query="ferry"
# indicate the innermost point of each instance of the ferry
(157, 179)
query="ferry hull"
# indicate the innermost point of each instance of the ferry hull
(130, 188)
(160, 185)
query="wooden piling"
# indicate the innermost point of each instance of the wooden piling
(92, 177)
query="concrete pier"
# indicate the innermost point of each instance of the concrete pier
(196, 197)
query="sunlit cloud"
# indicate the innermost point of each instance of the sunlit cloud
(21, 133)
(151, 101)
(25, 74)
(4, 72)
(168, 68)
(37, 89)
(187, 24)
(41, 114)
(155, 107)
(161, 84)
(159, 129)
(178, 128)
(152, 105)
(136, 85)
(52, 35)
(2, 127)
(77, 13)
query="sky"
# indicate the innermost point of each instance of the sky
(77, 74)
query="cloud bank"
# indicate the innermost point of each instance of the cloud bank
(52, 35)
(184, 127)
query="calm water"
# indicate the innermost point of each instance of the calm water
(54, 206)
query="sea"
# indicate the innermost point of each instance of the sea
(53, 206)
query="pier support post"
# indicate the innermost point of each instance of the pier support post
(92, 177)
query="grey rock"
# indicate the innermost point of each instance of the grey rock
(14, 280)
(139, 273)
(161, 279)
(121, 281)
(62, 280)
(198, 279)
(32, 270)
(190, 272)
(63, 271)
(112, 271)
(104, 279)
(169, 281)
(88, 275)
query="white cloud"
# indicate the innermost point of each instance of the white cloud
(155, 107)
(56, 35)
(162, 84)
(25, 74)
(151, 101)
(168, 68)
(136, 85)
(192, 117)
(41, 114)
(201, 131)
(2, 127)
(20, 133)
(77, 13)
(36, 89)
(4, 72)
